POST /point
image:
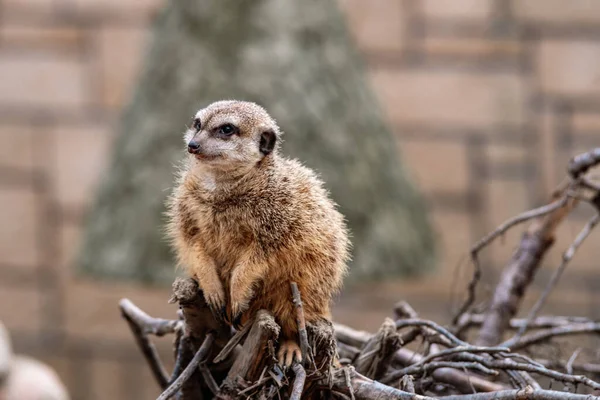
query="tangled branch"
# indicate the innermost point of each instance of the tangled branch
(212, 361)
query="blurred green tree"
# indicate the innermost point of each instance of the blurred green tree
(296, 59)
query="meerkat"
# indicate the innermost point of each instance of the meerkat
(246, 221)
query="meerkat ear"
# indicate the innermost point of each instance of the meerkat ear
(267, 142)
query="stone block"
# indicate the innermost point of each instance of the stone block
(377, 25)
(473, 48)
(82, 154)
(465, 99)
(436, 166)
(458, 9)
(26, 316)
(569, 67)
(585, 122)
(141, 8)
(120, 55)
(40, 7)
(17, 146)
(48, 82)
(40, 37)
(18, 219)
(558, 11)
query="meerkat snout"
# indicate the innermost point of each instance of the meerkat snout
(193, 147)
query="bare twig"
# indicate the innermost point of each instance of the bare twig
(566, 258)
(433, 365)
(489, 366)
(521, 394)
(141, 324)
(208, 378)
(587, 368)
(200, 356)
(543, 335)
(401, 323)
(510, 290)
(469, 320)
(298, 382)
(569, 366)
(234, 341)
(581, 163)
(307, 355)
(457, 378)
(367, 389)
(526, 216)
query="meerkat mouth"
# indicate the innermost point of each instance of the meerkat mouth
(206, 157)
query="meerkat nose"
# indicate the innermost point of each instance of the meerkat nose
(193, 147)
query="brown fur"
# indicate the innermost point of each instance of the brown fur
(246, 224)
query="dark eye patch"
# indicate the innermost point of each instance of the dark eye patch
(197, 124)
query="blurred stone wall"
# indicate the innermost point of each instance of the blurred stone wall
(489, 99)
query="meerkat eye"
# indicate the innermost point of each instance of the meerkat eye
(197, 124)
(227, 129)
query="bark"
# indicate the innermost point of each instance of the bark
(295, 59)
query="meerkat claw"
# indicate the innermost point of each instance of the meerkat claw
(218, 312)
(237, 322)
(289, 352)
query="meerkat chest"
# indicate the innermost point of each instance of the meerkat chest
(225, 231)
(248, 221)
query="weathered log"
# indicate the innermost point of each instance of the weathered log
(257, 352)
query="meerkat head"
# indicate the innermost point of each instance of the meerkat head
(232, 134)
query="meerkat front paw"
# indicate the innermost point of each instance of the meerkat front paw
(216, 303)
(289, 352)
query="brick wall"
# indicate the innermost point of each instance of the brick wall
(489, 99)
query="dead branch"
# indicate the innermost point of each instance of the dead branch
(401, 323)
(501, 230)
(246, 367)
(405, 357)
(586, 368)
(305, 349)
(298, 382)
(520, 270)
(141, 324)
(200, 356)
(256, 353)
(522, 394)
(509, 292)
(364, 388)
(472, 320)
(252, 373)
(567, 256)
(581, 163)
(233, 342)
(546, 334)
